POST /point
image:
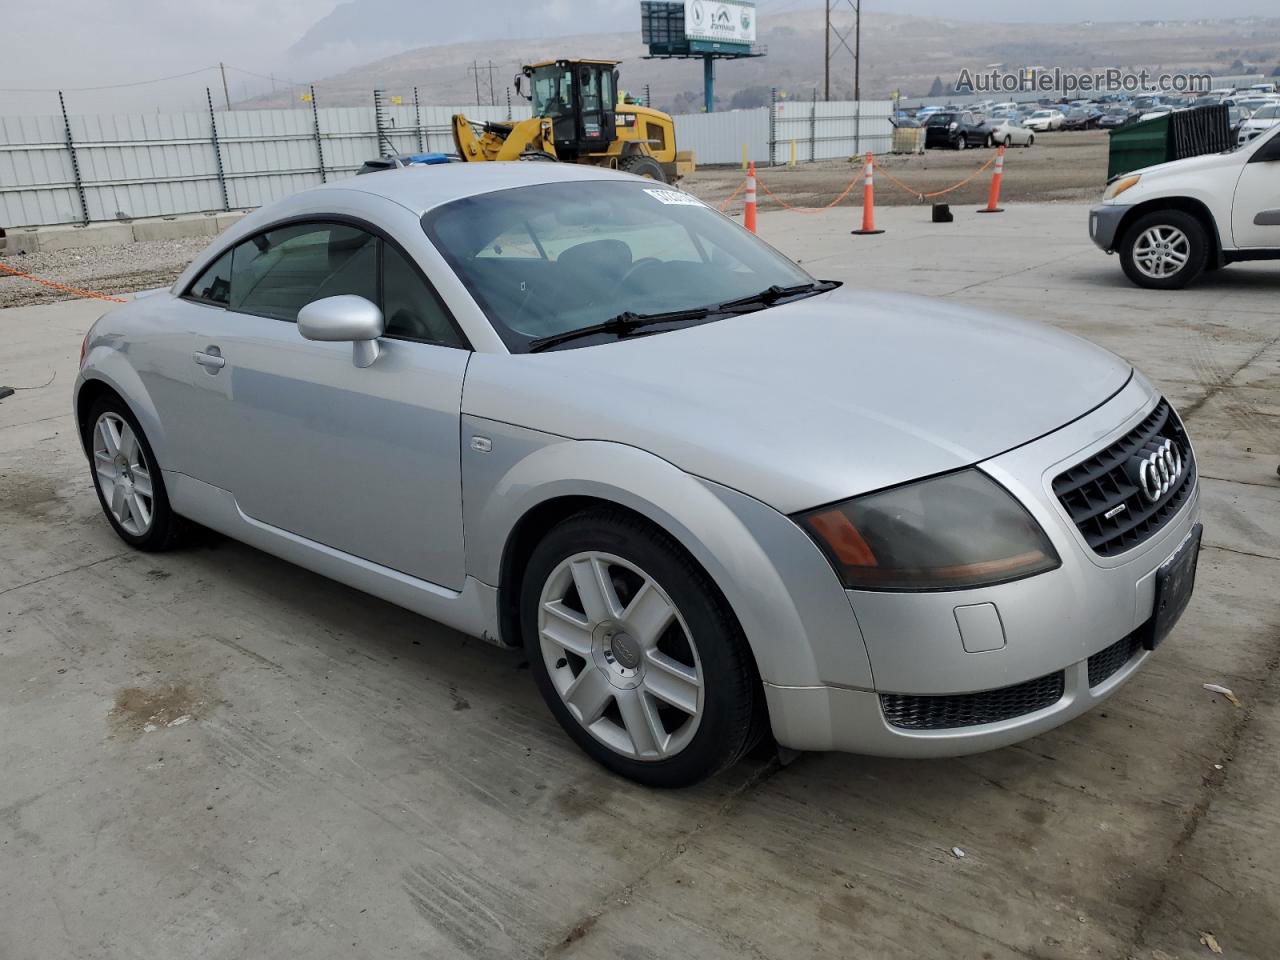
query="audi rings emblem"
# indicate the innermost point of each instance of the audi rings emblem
(1158, 469)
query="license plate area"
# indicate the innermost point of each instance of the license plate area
(1175, 581)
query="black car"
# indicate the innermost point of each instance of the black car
(1115, 117)
(1081, 118)
(956, 130)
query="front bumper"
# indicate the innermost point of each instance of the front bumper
(1045, 626)
(1104, 224)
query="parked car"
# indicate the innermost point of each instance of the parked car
(1259, 122)
(978, 538)
(1081, 118)
(1171, 222)
(1236, 116)
(1043, 120)
(1115, 117)
(1012, 133)
(957, 130)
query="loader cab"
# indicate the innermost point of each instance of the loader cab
(579, 98)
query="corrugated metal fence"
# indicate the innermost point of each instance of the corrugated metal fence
(80, 169)
(128, 166)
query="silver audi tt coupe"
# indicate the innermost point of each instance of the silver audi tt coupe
(711, 496)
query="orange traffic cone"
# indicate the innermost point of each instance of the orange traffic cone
(868, 200)
(749, 208)
(993, 198)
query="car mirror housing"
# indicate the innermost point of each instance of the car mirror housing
(344, 318)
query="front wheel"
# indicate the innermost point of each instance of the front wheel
(635, 651)
(1164, 250)
(128, 481)
(961, 142)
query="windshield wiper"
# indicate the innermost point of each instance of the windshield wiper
(770, 296)
(621, 325)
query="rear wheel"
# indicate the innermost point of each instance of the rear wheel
(1030, 140)
(635, 651)
(643, 166)
(1164, 250)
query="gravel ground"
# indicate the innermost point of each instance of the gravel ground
(1060, 166)
(108, 269)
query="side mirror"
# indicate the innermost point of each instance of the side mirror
(517, 81)
(344, 318)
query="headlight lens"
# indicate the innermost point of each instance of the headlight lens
(952, 532)
(1120, 186)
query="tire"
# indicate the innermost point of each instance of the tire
(537, 156)
(1164, 250)
(962, 142)
(643, 166)
(991, 141)
(1030, 140)
(605, 661)
(1008, 141)
(145, 522)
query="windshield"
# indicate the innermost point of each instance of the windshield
(546, 259)
(552, 92)
(941, 119)
(1266, 113)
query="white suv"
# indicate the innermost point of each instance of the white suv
(1173, 221)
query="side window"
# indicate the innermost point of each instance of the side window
(410, 307)
(277, 273)
(214, 285)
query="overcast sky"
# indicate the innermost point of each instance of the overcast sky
(82, 43)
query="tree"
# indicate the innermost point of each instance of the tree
(1237, 66)
(936, 89)
(749, 97)
(1276, 72)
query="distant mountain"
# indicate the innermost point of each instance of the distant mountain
(900, 53)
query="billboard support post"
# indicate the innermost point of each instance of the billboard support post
(709, 82)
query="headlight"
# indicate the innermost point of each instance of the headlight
(1120, 186)
(954, 125)
(955, 531)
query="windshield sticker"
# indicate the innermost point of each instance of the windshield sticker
(676, 197)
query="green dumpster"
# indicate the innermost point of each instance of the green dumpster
(1171, 136)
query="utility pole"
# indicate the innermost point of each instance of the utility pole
(841, 38)
(475, 69)
(226, 94)
(493, 96)
(857, 50)
(826, 60)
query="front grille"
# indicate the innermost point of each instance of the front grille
(970, 709)
(1102, 495)
(1104, 664)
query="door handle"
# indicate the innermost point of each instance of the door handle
(210, 359)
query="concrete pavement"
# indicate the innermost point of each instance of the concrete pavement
(355, 781)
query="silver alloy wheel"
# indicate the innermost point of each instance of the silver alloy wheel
(1161, 251)
(621, 656)
(123, 474)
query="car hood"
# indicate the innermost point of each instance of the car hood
(1208, 161)
(812, 401)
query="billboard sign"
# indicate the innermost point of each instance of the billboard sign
(726, 21)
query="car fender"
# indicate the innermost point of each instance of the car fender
(1212, 189)
(105, 364)
(792, 608)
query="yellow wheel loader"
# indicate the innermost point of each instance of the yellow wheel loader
(579, 118)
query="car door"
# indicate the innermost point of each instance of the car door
(1255, 209)
(967, 128)
(363, 460)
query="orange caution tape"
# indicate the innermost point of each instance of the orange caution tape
(91, 294)
(936, 193)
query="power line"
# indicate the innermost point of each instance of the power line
(108, 86)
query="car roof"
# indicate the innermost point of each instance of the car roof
(420, 187)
